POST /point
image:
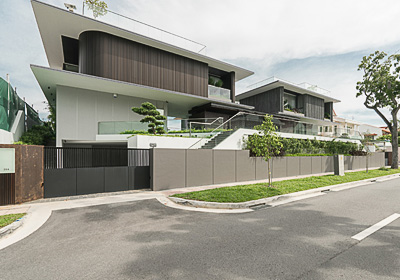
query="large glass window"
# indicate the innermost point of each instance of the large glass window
(289, 101)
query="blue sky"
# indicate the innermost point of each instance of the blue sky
(319, 42)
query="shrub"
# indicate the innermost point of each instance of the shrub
(37, 135)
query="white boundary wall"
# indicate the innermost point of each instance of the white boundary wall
(143, 142)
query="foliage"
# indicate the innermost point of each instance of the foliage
(98, 7)
(5, 220)
(257, 191)
(266, 143)
(52, 117)
(37, 135)
(176, 131)
(152, 117)
(214, 81)
(292, 146)
(381, 88)
(327, 115)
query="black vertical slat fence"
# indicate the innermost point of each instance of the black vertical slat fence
(57, 158)
(7, 189)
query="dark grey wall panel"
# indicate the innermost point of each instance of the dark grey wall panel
(245, 167)
(267, 102)
(316, 165)
(313, 107)
(305, 165)
(169, 169)
(199, 167)
(138, 177)
(224, 166)
(59, 182)
(279, 167)
(116, 179)
(105, 55)
(293, 166)
(90, 180)
(261, 169)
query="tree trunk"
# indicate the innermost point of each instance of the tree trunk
(395, 142)
(269, 174)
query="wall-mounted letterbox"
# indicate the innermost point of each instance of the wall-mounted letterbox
(7, 160)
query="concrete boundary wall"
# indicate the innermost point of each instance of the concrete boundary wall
(180, 168)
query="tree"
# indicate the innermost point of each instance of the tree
(266, 143)
(152, 116)
(381, 89)
(98, 7)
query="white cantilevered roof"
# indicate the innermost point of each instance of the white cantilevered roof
(289, 86)
(49, 79)
(54, 22)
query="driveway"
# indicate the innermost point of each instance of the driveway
(308, 239)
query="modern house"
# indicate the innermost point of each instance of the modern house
(97, 72)
(298, 109)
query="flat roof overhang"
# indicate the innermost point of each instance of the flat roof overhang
(54, 22)
(287, 86)
(49, 79)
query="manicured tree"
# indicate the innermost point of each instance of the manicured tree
(98, 7)
(152, 116)
(381, 89)
(266, 143)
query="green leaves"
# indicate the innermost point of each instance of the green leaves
(152, 116)
(99, 8)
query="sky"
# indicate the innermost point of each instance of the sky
(313, 41)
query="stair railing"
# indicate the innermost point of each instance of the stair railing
(203, 123)
(219, 127)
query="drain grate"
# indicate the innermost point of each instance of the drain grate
(260, 206)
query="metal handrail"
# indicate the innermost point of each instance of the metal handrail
(190, 124)
(221, 125)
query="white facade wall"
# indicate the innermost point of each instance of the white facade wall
(6, 137)
(370, 129)
(79, 111)
(143, 142)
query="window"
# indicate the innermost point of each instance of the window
(289, 101)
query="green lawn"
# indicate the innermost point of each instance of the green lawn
(8, 219)
(244, 193)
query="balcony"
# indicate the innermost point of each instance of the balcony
(219, 93)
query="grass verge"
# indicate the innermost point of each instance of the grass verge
(244, 193)
(8, 219)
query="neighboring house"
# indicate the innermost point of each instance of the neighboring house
(385, 130)
(15, 115)
(346, 128)
(99, 71)
(370, 131)
(298, 109)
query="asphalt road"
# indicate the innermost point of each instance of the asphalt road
(308, 239)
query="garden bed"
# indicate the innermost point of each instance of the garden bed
(243, 193)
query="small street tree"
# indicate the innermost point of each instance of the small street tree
(152, 116)
(381, 88)
(265, 143)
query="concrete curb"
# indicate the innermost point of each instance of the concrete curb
(12, 227)
(268, 200)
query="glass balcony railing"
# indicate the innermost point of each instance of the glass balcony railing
(219, 93)
(119, 127)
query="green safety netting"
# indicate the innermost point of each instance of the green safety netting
(10, 104)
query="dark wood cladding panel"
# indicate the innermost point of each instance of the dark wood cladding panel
(7, 189)
(267, 102)
(313, 107)
(109, 56)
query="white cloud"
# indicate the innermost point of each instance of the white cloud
(295, 40)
